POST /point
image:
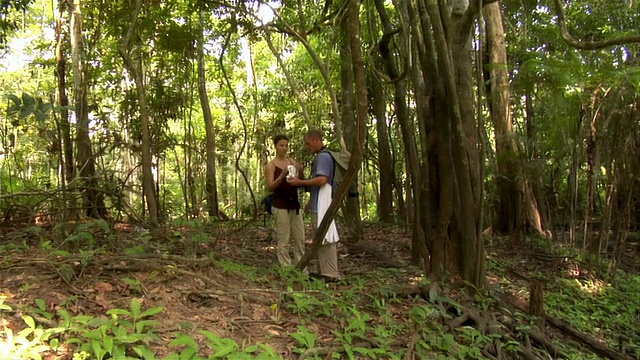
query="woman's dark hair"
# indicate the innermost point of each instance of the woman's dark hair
(278, 138)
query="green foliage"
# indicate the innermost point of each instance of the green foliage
(9, 12)
(27, 105)
(219, 348)
(600, 309)
(125, 330)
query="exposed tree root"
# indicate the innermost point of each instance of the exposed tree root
(383, 258)
(473, 317)
(487, 323)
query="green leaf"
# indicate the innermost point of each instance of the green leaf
(225, 350)
(152, 311)
(42, 305)
(29, 321)
(188, 354)
(185, 340)
(16, 100)
(251, 348)
(210, 336)
(24, 333)
(40, 116)
(119, 312)
(433, 294)
(24, 112)
(98, 351)
(136, 306)
(45, 108)
(13, 109)
(108, 344)
(92, 321)
(144, 352)
(131, 338)
(93, 335)
(140, 325)
(28, 100)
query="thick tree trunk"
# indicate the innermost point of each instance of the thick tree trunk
(211, 182)
(348, 110)
(517, 205)
(93, 201)
(435, 127)
(148, 186)
(452, 56)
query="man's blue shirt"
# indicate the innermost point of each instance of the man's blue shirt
(322, 166)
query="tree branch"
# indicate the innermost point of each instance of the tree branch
(588, 45)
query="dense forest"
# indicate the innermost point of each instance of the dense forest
(494, 147)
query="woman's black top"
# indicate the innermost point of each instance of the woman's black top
(285, 196)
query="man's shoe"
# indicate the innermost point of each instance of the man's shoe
(326, 279)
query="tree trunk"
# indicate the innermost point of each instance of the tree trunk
(404, 118)
(211, 182)
(436, 130)
(453, 60)
(348, 111)
(517, 203)
(61, 74)
(66, 172)
(385, 161)
(93, 201)
(133, 67)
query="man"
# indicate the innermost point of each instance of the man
(320, 184)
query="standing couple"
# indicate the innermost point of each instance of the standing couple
(286, 206)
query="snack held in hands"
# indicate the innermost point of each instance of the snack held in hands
(293, 171)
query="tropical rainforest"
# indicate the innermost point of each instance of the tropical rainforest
(493, 145)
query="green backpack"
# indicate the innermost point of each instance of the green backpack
(341, 164)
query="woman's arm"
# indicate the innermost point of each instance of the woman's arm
(272, 182)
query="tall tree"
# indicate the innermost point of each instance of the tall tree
(385, 161)
(454, 240)
(63, 99)
(348, 112)
(400, 84)
(92, 198)
(131, 56)
(211, 181)
(516, 201)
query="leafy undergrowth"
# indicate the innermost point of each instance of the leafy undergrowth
(196, 290)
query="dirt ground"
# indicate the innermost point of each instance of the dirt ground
(226, 282)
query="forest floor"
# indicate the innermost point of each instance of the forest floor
(221, 293)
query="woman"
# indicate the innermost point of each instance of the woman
(285, 205)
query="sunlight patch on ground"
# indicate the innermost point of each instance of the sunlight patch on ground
(592, 286)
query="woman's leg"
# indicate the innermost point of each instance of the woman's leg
(297, 234)
(283, 231)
